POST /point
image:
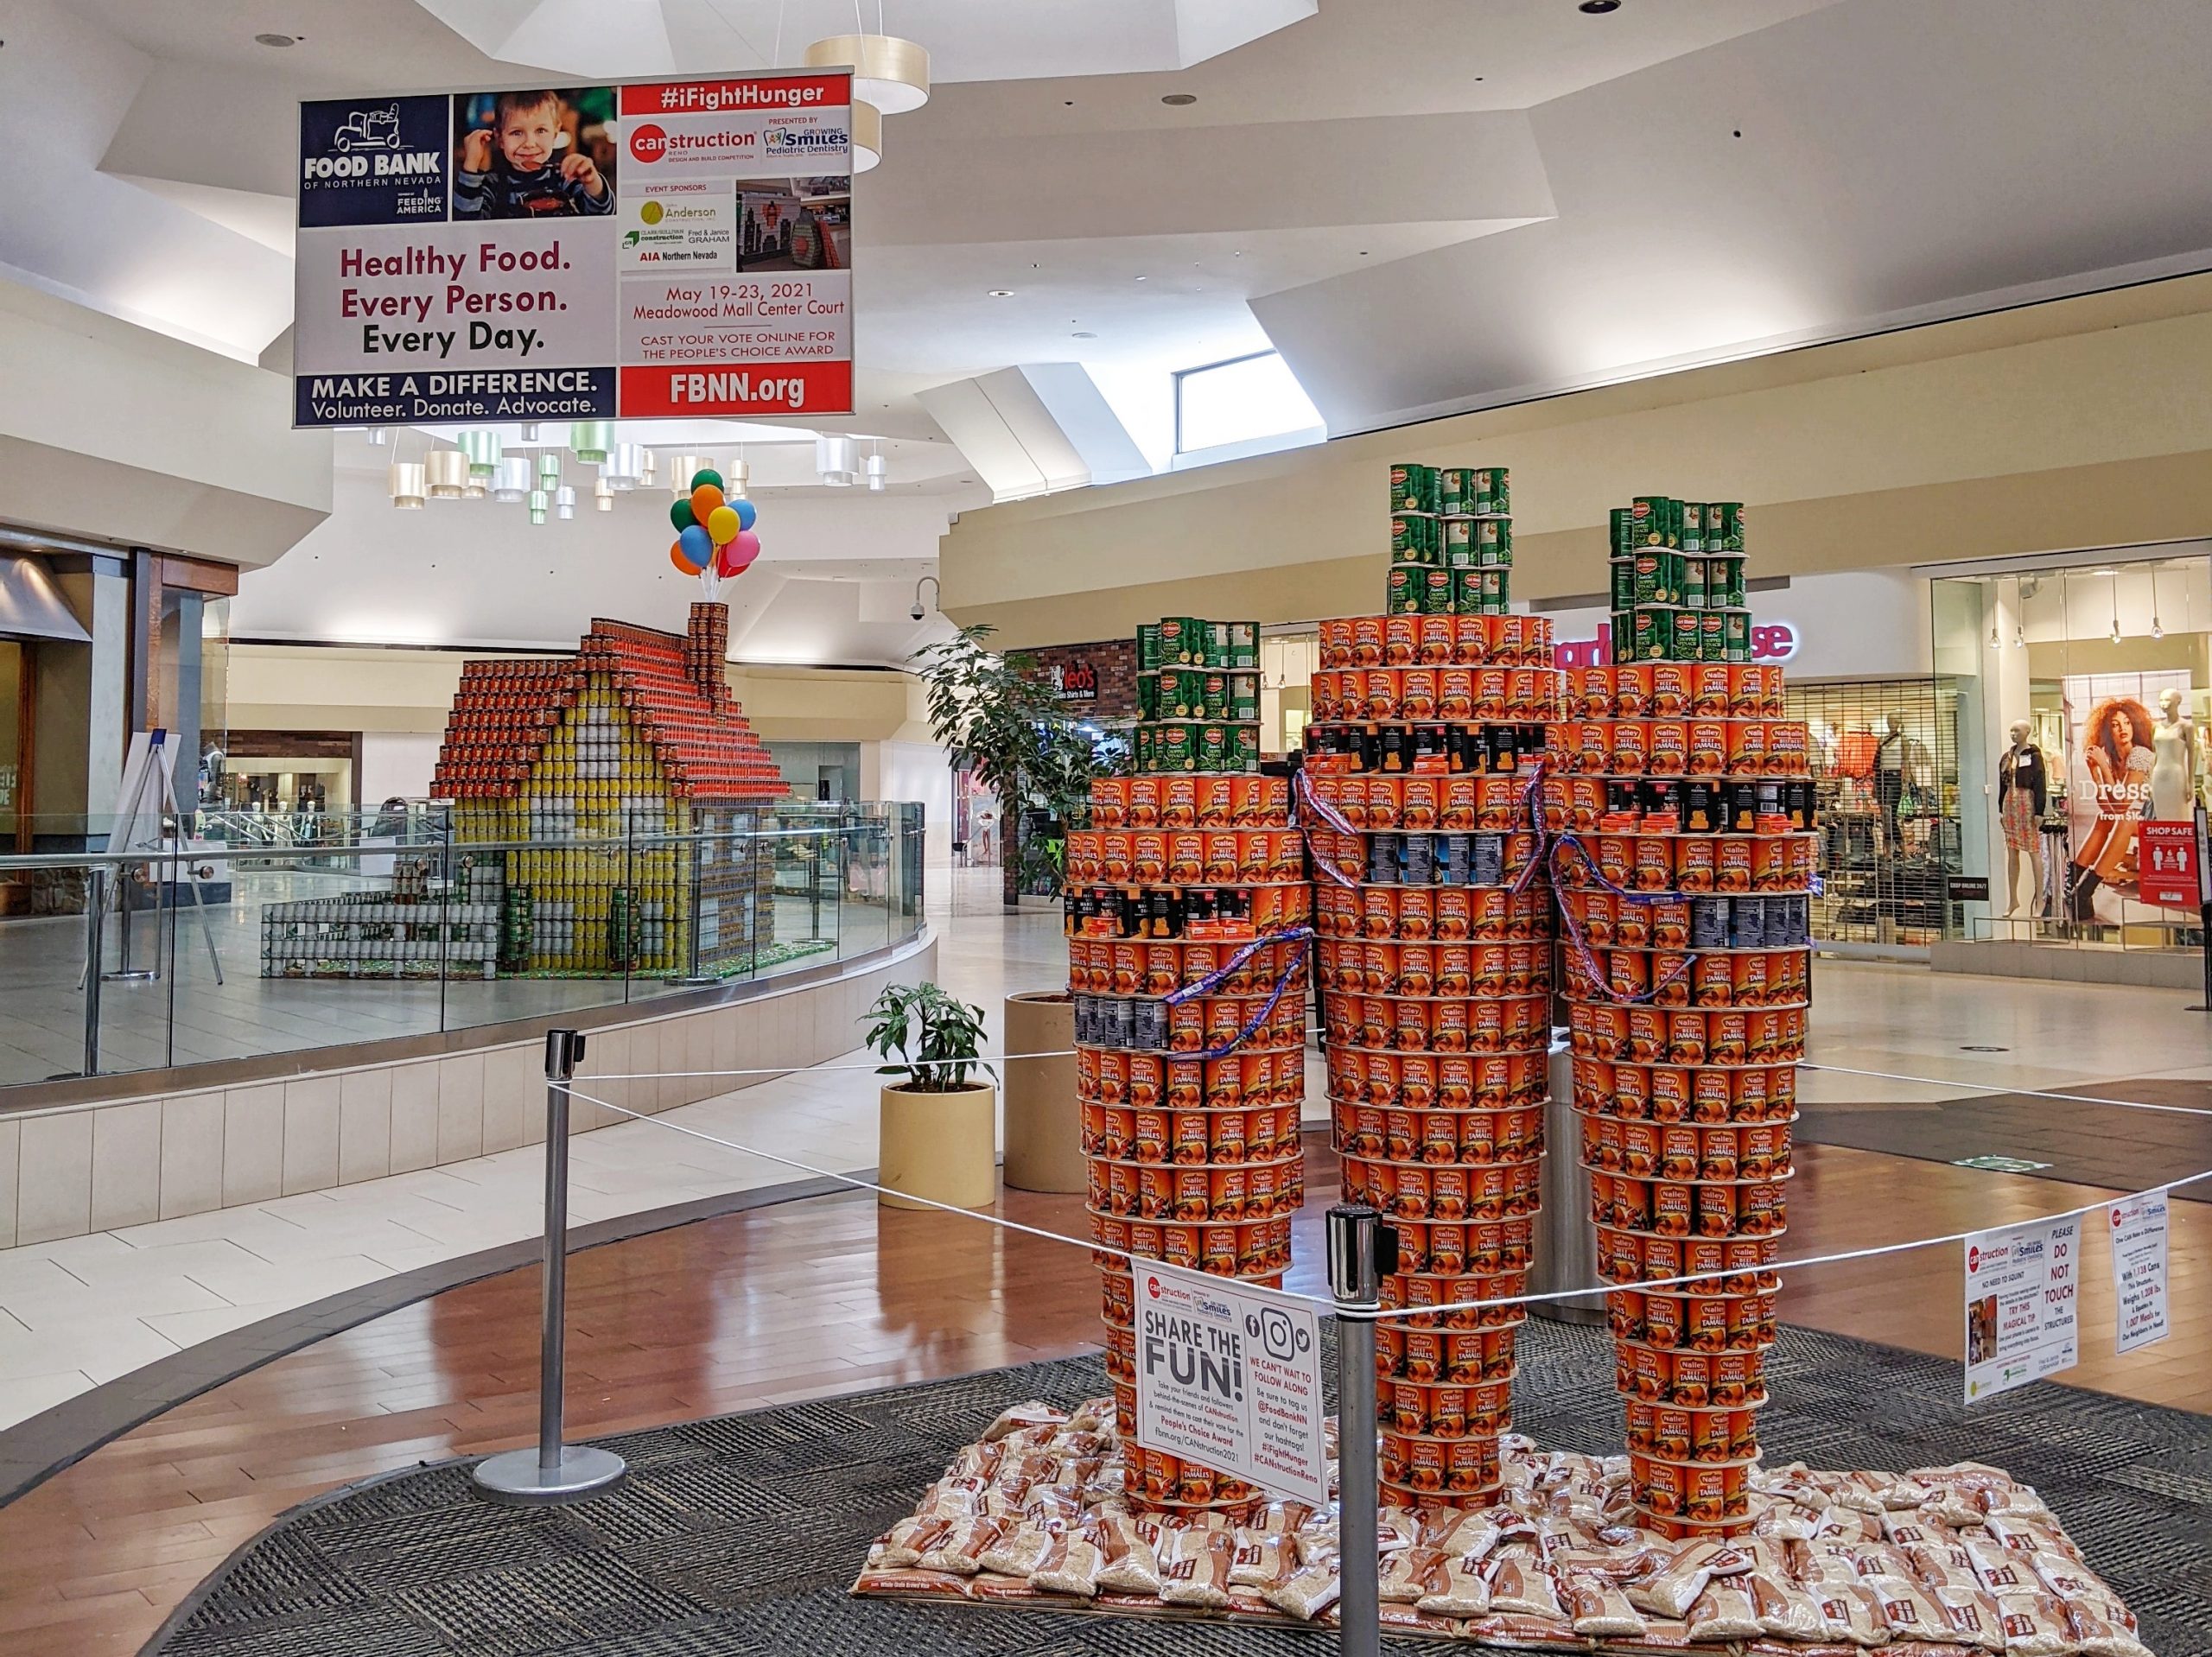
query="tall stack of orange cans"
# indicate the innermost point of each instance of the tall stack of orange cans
(1188, 921)
(1432, 922)
(1682, 821)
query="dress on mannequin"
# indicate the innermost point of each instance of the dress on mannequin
(2173, 762)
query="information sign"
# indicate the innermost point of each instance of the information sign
(2138, 1271)
(2020, 1322)
(679, 248)
(1229, 1376)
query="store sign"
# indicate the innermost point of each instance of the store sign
(1966, 888)
(1075, 680)
(1229, 1376)
(1771, 641)
(2020, 1310)
(2138, 1271)
(676, 248)
(2165, 864)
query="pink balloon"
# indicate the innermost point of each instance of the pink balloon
(749, 545)
(738, 559)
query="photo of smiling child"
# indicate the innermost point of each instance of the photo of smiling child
(533, 154)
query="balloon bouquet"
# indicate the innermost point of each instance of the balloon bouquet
(714, 537)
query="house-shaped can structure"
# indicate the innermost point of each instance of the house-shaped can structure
(629, 769)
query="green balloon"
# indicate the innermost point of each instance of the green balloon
(680, 515)
(706, 475)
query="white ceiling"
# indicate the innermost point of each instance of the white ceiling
(1426, 204)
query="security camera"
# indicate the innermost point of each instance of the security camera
(917, 612)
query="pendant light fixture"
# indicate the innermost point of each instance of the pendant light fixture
(591, 439)
(564, 500)
(529, 431)
(2115, 606)
(626, 468)
(602, 495)
(549, 470)
(407, 484)
(738, 478)
(537, 505)
(446, 470)
(378, 434)
(879, 472)
(836, 461)
(2157, 627)
(681, 471)
(511, 483)
(890, 73)
(483, 449)
(648, 467)
(867, 137)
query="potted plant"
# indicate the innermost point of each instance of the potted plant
(1001, 714)
(939, 1122)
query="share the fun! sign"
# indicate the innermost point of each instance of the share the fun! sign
(676, 248)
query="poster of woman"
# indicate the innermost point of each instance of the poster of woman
(2109, 756)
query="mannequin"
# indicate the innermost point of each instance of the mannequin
(1897, 762)
(2173, 764)
(2023, 791)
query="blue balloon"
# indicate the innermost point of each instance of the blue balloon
(698, 546)
(746, 512)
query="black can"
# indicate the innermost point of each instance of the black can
(1383, 854)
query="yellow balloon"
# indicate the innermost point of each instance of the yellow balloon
(723, 525)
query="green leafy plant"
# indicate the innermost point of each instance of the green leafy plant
(1001, 714)
(935, 1037)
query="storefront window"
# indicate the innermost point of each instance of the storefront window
(2086, 694)
(1885, 762)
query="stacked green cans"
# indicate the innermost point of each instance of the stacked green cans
(1197, 695)
(1677, 581)
(1451, 540)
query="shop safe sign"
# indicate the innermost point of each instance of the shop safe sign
(1229, 1376)
(680, 248)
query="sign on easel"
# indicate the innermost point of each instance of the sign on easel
(2020, 1311)
(2139, 1272)
(1229, 1376)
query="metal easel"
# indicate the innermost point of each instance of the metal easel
(151, 821)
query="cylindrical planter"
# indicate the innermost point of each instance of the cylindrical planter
(940, 1146)
(1044, 1126)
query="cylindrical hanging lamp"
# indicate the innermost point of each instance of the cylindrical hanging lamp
(564, 500)
(511, 483)
(591, 439)
(625, 467)
(537, 504)
(407, 484)
(680, 469)
(447, 471)
(867, 137)
(835, 460)
(602, 495)
(891, 73)
(879, 473)
(737, 479)
(483, 449)
(548, 469)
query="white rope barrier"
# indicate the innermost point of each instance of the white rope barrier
(2029, 1093)
(1871, 1252)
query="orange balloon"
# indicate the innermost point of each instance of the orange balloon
(675, 556)
(704, 499)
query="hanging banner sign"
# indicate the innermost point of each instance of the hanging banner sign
(2165, 863)
(1229, 1376)
(2020, 1320)
(2139, 1272)
(680, 248)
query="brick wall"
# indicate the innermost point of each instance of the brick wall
(1109, 664)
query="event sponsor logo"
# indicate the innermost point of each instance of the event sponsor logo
(365, 162)
(789, 140)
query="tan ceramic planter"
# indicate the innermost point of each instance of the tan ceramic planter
(940, 1146)
(1044, 1139)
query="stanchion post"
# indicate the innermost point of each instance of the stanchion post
(95, 913)
(553, 1471)
(1361, 1251)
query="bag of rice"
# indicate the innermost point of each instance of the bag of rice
(1070, 1564)
(2036, 1625)
(1456, 1588)
(1194, 1567)
(2016, 1501)
(1130, 1566)
(1461, 1533)
(1262, 1561)
(1406, 1574)
(1852, 1612)
(1970, 1616)
(2067, 1577)
(1309, 1593)
(2000, 1569)
(961, 1552)
(1280, 1518)
(1782, 1607)
(2104, 1628)
(1948, 1564)
(1675, 1586)
(1017, 1553)
(1035, 1413)
(1093, 1415)
(1521, 1585)
(1723, 1611)
(901, 1547)
(1599, 1608)
(1909, 1613)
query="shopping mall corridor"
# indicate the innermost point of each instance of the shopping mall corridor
(833, 1295)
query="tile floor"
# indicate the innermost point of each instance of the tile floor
(86, 1309)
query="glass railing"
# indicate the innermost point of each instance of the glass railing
(242, 938)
